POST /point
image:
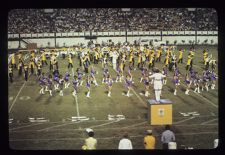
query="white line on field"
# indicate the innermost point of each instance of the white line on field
(55, 126)
(134, 125)
(25, 126)
(209, 121)
(16, 97)
(135, 136)
(184, 120)
(77, 107)
(103, 124)
(142, 101)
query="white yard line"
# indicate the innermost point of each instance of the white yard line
(209, 121)
(142, 101)
(24, 126)
(77, 106)
(16, 97)
(134, 125)
(184, 120)
(56, 126)
(103, 124)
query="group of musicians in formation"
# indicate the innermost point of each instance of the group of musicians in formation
(125, 60)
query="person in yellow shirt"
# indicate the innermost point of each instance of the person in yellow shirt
(131, 59)
(139, 59)
(180, 58)
(70, 64)
(189, 62)
(205, 55)
(149, 141)
(32, 55)
(151, 64)
(166, 62)
(31, 65)
(158, 55)
(20, 56)
(90, 143)
(43, 59)
(96, 56)
(13, 61)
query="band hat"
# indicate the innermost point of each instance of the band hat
(89, 130)
(149, 131)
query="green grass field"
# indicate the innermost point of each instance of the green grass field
(60, 132)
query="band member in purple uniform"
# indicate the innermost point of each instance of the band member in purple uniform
(188, 83)
(143, 73)
(66, 80)
(61, 82)
(75, 85)
(129, 73)
(205, 80)
(93, 72)
(88, 85)
(109, 85)
(42, 82)
(176, 83)
(128, 84)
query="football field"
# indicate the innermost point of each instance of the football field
(55, 127)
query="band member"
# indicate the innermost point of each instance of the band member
(213, 78)
(70, 62)
(86, 62)
(197, 82)
(188, 83)
(158, 55)
(128, 83)
(43, 59)
(42, 82)
(205, 80)
(176, 83)
(25, 72)
(88, 85)
(143, 73)
(157, 83)
(109, 85)
(180, 58)
(75, 85)
(13, 61)
(11, 73)
(188, 66)
(56, 80)
(61, 82)
(39, 68)
(139, 59)
(129, 73)
(31, 65)
(66, 80)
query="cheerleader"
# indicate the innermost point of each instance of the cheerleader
(105, 74)
(146, 83)
(56, 80)
(88, 85)
(197, 82)
(128, 84)
(80, 76)
(143, 73)
(205, 80)
(50, 85)
(93, 72)
(188, 83)
(42, 82)
(118, 74)
(165, 72)
(176, 83)
(66, 79)
(75, 85)
(213, 78)
(129, 73)
(61, 81)
(109, 85)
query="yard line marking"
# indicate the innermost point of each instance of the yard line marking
(142, 101)
(104, 124)
(16, 97)
(134, 125)
(209, 121)
(135, 136)
(25, 126)
(55, 126)
(184, 120)
(77, 107)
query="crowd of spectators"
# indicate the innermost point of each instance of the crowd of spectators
(111, 19)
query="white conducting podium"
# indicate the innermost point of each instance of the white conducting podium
(160, 113)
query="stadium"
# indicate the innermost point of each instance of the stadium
(75, 69)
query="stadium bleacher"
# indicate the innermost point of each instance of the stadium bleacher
(111, 19)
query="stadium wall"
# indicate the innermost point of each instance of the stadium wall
(70, 39)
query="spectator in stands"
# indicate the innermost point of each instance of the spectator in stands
(125, 143)
(167, 136)
(149, 140)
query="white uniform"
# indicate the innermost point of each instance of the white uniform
(125, 144)
(157, 84)
(114, 57)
